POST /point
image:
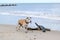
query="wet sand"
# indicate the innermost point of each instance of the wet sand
(8, 32)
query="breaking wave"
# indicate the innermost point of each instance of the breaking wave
(32, 14)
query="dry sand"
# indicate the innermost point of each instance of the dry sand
(8, 32)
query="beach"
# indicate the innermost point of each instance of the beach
(8, 32)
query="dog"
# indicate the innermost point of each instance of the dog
(23, 23)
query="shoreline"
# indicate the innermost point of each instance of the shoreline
(7, 25)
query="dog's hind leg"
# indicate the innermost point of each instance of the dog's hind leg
(18, 27)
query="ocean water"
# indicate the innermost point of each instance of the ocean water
(46, 14)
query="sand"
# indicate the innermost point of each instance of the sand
(8, 32)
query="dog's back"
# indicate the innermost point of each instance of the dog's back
(22, 22)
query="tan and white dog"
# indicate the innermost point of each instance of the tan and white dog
(23, 23)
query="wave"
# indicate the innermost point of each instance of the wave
(32, 14)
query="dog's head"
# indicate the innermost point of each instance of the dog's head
(28, 20)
